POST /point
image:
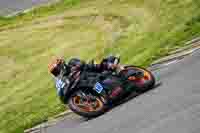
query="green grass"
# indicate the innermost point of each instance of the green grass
(39, 12)
(139, 30)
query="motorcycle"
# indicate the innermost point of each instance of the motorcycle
(95, 100)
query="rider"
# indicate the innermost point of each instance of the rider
(62, 70)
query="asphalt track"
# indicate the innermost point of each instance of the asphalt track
(11, 7)
(172, 107)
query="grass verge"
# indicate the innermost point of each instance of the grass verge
(39, 12)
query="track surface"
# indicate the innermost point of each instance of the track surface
(173, 107)
(8, 7)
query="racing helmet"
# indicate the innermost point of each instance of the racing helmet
(55, 66)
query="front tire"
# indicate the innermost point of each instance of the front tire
(84, 110)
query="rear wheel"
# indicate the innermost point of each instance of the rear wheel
(144, 80)
(87, 106)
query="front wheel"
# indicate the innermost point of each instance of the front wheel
(87, 106)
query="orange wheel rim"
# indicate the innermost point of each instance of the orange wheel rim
(87, 106)
(146, 77)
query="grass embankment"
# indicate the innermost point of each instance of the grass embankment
(42, 11)
(140, 30)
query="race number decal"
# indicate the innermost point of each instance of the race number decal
(98, 87)
(59, 85)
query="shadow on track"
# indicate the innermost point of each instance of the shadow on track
(130, 97)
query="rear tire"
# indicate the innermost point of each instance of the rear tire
(149, 83)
